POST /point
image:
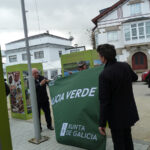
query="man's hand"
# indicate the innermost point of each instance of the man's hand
(47, 81)
(70, 72)
(43, 82)
(102, 130)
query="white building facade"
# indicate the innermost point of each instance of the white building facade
(44, 48)
(126, 25)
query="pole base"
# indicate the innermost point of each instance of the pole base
(35, 141)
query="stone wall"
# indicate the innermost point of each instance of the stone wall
(134, 49)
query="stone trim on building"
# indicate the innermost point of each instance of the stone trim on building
(112, 28)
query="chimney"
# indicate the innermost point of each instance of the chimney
(47, 31)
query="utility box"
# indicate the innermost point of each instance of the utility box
(5, 138)
(69, 62)
(17, 76)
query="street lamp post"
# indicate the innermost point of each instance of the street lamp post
(38, 139)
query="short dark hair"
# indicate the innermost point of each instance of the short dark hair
(108, 51)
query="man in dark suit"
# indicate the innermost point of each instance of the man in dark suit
(42, 97)
(117, 104)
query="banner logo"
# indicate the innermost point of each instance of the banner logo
(63, 129)
(76, 130)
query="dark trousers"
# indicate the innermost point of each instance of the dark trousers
(122, 139)
(46, 109)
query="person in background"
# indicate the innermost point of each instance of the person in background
(42, 97)
(7, 88)
(117, 104)
(82, 66)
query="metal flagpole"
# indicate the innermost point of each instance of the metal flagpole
(38, 139)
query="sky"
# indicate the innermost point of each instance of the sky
(63, 18)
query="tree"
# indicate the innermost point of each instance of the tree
(91, 36)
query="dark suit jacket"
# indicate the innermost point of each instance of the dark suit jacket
(41, 92)
(7, 89)
(117, 104)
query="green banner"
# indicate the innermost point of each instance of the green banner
(76, 110)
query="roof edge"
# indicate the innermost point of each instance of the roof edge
(94, 20)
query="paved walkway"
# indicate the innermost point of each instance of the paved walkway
(141, 130)
(22, 131)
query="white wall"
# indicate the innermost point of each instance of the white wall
(53, 54)
(124, 56)
(102, 38)
(110, 16)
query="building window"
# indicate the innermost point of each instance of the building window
(135, 9)
(134, 31)
(60, 53)
(13, 58)
(74, 50)
(24, 57)
(141, 30)
(39, 55)
(54, 74)
(127, 33)
(148, 29)
(137, 31)
(112, 36)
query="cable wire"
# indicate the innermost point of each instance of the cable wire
(37, 13)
